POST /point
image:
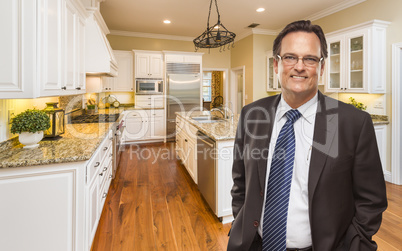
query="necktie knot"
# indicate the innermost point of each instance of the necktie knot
(293, 115)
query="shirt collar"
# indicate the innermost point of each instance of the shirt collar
(307, 110)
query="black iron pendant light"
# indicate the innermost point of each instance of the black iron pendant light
(214, 36)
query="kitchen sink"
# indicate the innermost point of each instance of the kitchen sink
(207, 119)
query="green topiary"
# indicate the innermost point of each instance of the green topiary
(30, 121)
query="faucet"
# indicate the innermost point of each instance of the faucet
(218, 110)
(225, 111)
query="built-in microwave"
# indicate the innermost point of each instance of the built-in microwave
(148, 86)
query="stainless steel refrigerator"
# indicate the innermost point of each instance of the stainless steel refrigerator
(183, 95)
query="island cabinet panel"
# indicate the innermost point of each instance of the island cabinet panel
(41, 208)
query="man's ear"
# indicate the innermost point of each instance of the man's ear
(275, 65)
(322, 68)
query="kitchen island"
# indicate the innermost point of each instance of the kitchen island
(221, 132)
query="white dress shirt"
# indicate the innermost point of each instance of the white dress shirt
(298, 233)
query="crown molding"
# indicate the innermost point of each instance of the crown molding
(149, 35)
(331, 10)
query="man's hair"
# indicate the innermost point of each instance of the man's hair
(302, 25)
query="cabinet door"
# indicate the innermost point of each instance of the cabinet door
(142, 66)
(356, 61)
(137, 125)
(51, 49)
(334, 65)
(272, 79)
(92, 211)
(381, 137)
(124, 80)
(191, 159)
(157, 124)
(80, 52)
(70, 38)
(155, 67)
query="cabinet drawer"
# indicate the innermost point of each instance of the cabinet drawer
(103, 171)
(156, 113)
(149, 101)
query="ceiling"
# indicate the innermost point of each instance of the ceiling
(189, 17)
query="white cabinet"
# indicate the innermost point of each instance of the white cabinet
(124, 80)
(273, 84)
(41, 48)
(183, 57)
(42, 207)
(381, 137)
(144, 125)
(186, 146)
(98, 178)
(357, 58)
(148, 64)
(224, 181)
(149, 101)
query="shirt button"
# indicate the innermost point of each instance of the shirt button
(256, 223)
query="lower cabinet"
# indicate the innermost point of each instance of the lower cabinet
(98, 179)
(42, 207)
(144, 125)
(186, 146)
(381, 136)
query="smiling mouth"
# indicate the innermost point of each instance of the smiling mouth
(299, 77)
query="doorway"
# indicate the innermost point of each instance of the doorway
(238, 83)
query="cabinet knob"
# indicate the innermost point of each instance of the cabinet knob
(78, 88)
(110, 155)
(110, 176)
(64, 88)
(185, 140)
(101, 174)
(104, 195)
(104, 149)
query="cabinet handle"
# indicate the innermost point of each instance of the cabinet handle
(101, 174)
(110, 155)
(185, 140)
(110, 176)
(105, 168)
(104, 195)
(97, 164)
(78, 88)
(64, 88)
(104, 149)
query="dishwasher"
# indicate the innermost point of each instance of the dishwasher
(206, 173)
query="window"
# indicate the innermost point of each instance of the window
(206, 86)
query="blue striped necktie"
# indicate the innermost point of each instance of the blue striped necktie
(277, 196)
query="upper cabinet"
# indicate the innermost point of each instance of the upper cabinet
(42, 48)
(357, 59)
(148, 64)
(124, 80)
(273, 84)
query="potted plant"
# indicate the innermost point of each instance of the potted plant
(30, 125)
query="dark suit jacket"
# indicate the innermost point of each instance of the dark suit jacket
(346, 184)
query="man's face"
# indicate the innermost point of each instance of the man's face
(299, 79)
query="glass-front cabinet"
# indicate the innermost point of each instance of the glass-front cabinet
(273, 84)
(356, 59)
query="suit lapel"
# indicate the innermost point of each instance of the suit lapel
(326, 127)
(271, 107)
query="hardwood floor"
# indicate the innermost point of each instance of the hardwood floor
(153, 204)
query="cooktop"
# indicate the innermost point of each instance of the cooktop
(95, 118)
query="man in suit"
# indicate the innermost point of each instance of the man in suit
(337, 189)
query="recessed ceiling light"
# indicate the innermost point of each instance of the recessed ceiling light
(260, 9)
(166, 21)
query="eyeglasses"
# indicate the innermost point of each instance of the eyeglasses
(309, 61)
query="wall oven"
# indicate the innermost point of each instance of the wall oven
(148, 86)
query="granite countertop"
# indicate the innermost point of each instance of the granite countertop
(222, 130)
(226, 130)
(78, 143)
